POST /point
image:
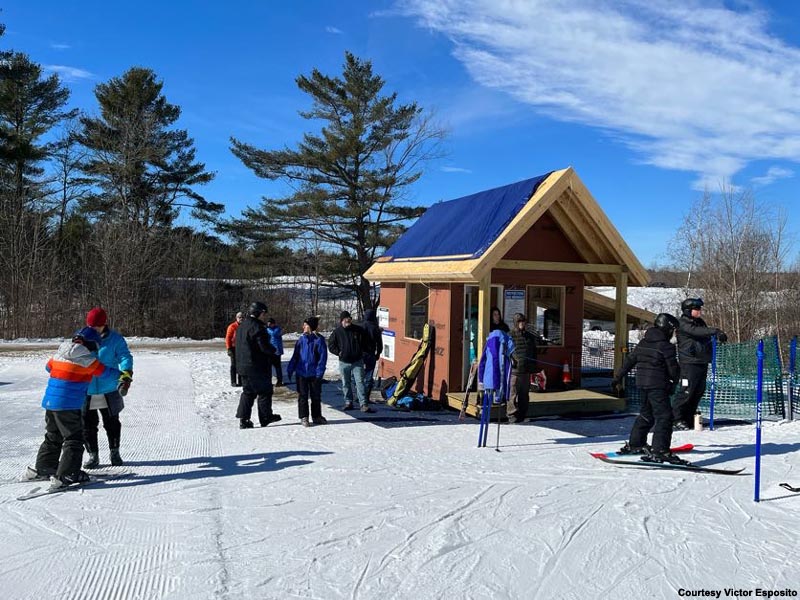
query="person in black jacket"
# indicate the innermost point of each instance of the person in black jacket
(254, 359)
(496, 322)
(694, 354)
(373, 352)
(656, 375)
(523, 363)
(349, 342)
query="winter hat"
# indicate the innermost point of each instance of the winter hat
(96, 317)
(270, 321)
(519, 317)
(313, 322)
(344, 315)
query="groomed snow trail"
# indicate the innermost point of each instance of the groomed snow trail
(390, 505)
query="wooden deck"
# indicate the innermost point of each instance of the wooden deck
(548, 403)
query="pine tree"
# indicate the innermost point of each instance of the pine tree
(30, 106)
(350, 177)
(145, 169)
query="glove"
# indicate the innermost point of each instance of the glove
(722, 337)
(124, 384)
(231, 352)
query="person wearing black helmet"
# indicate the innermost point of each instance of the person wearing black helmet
(254, 359)
(694, 354)
(656, 374)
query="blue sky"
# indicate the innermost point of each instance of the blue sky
(649, 100)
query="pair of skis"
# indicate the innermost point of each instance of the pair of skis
(47, 490)
(634, 460)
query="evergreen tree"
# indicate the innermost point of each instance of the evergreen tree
(144, 168)
(30, 106)
(349, 178)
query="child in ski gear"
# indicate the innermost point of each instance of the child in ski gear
(254, 359)
(71, 370)
(276, 339)
(230, 346)
(105, 393)
(373, 352)
(348, 342)
(694, 354)
(656, 376)
(497, 321)
(308, 361)
(523, 363)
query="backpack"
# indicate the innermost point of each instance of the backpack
(388, 386)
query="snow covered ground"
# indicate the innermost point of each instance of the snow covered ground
(388, 505)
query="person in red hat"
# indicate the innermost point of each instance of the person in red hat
(105, 393)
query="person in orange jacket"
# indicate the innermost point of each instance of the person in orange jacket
(230, 345)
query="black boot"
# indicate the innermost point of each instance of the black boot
(245, 424)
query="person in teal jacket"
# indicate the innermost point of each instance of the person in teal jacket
(276, 339)
(105, 392)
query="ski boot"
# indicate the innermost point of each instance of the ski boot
(31, 474)
(628, 449)
(666, 457)
(70, 479)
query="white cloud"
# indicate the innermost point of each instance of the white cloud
(60, 46)
(456, 170)
(695, 87)
(772, 175)
(69, 73)
(335, 30)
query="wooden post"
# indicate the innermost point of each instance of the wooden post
(620, 319)
(484, 306)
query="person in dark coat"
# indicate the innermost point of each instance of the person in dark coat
(349, 342)
(694, 354)
(375, 346)
(308, 361)
(496, 322)
(523, 363)
(254, 359)
(656, 376)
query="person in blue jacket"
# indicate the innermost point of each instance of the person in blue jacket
(105, 393)
(308, 360)
(276, 339)
(71, 369)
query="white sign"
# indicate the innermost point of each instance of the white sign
(514, 303)
(387, 337)
(383, 317)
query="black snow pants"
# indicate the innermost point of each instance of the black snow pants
(656, 414)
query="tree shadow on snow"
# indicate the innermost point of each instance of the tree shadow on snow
(216, 466)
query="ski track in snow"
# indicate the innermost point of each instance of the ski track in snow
(388, 509)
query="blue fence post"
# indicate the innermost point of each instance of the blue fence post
(792, 366)
(713, 392)
(759, 397)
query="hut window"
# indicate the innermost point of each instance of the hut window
(545, 310)
(416, 309)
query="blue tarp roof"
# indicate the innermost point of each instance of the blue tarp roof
(465, 226)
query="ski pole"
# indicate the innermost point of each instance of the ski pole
(759, 397)
(497, 443)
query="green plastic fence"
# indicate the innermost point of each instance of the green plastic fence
(735, 391)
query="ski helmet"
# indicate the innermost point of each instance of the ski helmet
(691, 303)
(89, 337)
(256, 308)
(666, 323)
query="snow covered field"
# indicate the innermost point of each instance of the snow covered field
(387, 505)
